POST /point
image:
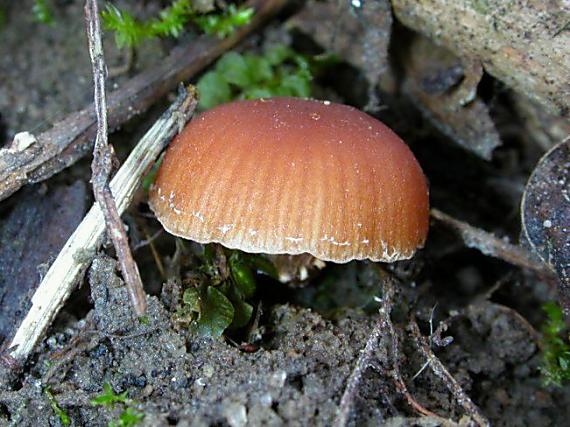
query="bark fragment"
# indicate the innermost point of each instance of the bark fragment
(519, 42)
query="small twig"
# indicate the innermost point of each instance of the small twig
(423, 368)
(103, 161)
(396, 374)
(490, 245)
(435, 337)
(365, 358)
(441, 371)
(565, 27)
(79, 249)
(147, 239)
(126, 66)
(383, 326)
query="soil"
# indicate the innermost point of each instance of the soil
(308, 338)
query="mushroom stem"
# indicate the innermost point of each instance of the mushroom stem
(296, 268)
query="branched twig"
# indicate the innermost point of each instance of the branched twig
(396, 374)
(383, 326)
(366, 356)
(79, 249)
(441, 371)
(102, 164)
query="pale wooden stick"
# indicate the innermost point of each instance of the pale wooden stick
(79, 249)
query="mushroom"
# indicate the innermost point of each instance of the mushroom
(293, 176)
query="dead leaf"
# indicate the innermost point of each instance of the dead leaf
(445, 90)
(31, 235)
(545, 211)
(521, 43)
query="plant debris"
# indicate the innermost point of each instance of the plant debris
(444, 88)
(545, 212)
(519, 43)
(31, 236)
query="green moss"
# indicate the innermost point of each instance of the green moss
(109, 397)
(556, 356)
(42, 12)
(61, 414)
(3, 18)
(129, 417)
(171, 22)
(223, 25)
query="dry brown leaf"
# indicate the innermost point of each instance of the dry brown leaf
(545, 211)
(444, 89)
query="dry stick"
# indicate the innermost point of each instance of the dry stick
(397, 376)
(451, 383)
(79, 249)
(36, 158)
(365, 358)
(395, 372)
(490, 245)
(102, 164)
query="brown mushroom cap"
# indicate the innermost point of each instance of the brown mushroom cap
(292, 176)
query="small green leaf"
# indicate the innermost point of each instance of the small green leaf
(556, 349)
(213, 90)
(243, 276)
(42, 12)
(172, 20)
(61, 414)
(128, 31)
(234, 69)
(262, 265)
(129, 417)
(242, 309)
(278, 72)
(216, 313)
(563, 362)
(278, 54)
(259, 68)
(149, 178)
(303, 64)
(109, 397)
(295, 85)
(242, 314)
(191, 298)
(225, 24)
(256, 93)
